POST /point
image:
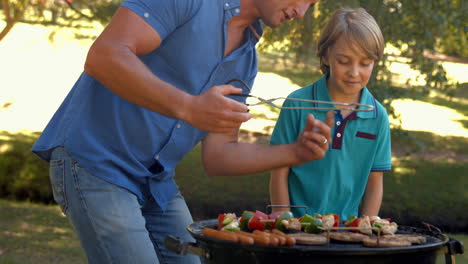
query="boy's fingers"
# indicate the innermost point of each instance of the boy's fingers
(330, 119)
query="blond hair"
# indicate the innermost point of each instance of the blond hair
(360, 30)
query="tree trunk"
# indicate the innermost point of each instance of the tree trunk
(6, 29)
(9, 18)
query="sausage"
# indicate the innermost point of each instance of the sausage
(242, 238)
(274, 241)
(281, 238)
(290, 241)
(213, 233)
(258, 238)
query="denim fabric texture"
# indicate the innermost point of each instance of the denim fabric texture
(112, 224)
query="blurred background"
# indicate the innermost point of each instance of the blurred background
(422, 81)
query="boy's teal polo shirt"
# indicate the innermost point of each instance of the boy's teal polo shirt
(133, 147)
(361, 144)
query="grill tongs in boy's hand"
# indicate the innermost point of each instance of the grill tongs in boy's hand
(332, 105)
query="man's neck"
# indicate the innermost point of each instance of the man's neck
(248, 14)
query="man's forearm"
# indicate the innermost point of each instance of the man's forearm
(236, 159)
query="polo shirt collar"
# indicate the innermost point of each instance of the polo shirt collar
(320, 93)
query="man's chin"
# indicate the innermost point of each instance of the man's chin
(272, 24)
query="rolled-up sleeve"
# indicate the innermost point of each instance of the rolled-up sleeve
(164, 16)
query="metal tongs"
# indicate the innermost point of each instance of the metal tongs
(334, 105)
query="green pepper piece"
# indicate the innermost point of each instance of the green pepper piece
(313, 227)
(230, 228)
(307, 219)
(284, 216)
(350, 220)
(246, 215)
(228, 219)
(317, 215)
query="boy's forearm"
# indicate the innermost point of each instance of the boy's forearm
(372, 199)
(279, 190)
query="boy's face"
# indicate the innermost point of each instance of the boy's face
(274, 12)
(350, 70)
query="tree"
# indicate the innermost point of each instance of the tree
(51, 11)
(417, 27)
(13, 11)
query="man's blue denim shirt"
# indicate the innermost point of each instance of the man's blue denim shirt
(119, 141)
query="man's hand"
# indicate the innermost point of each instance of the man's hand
(212, 111)
(312, 143)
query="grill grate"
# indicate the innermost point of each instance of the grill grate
(432, 239)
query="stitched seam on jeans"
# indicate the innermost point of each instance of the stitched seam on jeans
(159, 252)
(90, 219)
(54, 164)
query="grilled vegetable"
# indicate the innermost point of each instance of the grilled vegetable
(284, 216)
(362, 222)
(384, 224)
(330, 220)
(228, 222)
(257, 221)
(313, 224)
(246, 215)
(350, 220)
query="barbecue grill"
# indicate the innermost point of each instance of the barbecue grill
(219, 251)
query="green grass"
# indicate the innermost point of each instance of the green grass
(35, 233)
(40, 234)
(422, 191)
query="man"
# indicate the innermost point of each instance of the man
(152, 88)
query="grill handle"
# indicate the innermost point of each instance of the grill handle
(453, 247)
(181, 247)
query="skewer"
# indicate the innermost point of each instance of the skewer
(347, 228)
(379, 230)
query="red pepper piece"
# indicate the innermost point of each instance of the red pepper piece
(257, 221)
(220, 220)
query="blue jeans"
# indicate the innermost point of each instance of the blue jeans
(112, 225)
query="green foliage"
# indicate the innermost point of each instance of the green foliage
(208, 196)
(22, 174)
(418, 28)
(99, 10)
(64, 12)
